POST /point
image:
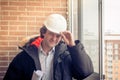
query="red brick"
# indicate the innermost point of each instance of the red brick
(21, 37)
(22, 28)
(13, 53)
(30, 8)
(3, 43)
(13, 28)
(2, 74)
(13, 43)
(35, 13)
(9, 18)
(4, 3)
(33, 33)
(17, 23)
(13, 38)
(27, 18)
(3, 58)
(55, 3)
(22, 8)
(8, 8)
(40, 19)
(8, 48)
(48, 9)
(8, 38)
(35, 3)
(31, 28)
(31, 23)
(11, 58)
(59, 9)
(17, 3)
(0, 13)
(20, 13)
(3, 32)
(4, 27)
(63, 3)
(17, 33)
(3, 53)
(4, 63)
(39, 8)
(4, 22)
(4, 13)
(3, 68)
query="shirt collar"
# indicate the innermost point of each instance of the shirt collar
(52, 51)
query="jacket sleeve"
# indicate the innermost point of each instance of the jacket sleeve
(81, 62)
(14, 71)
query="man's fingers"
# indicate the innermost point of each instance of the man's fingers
(64, 37)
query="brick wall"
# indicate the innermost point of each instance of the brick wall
(21, 18)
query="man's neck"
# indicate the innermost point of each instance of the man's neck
(45, 48)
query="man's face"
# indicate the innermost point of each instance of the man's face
(51, 39)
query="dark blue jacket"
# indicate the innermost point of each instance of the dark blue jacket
(69, 62)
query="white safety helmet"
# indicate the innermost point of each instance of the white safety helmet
(56, 23)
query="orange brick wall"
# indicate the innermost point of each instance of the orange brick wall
(21, 18)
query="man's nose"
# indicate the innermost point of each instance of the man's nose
(54, 37)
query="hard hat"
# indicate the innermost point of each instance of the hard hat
(56, 23)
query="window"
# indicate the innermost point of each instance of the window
(115, 46)
(111, 34)
(85, 23)
(116, 52)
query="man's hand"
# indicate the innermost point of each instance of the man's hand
(68, 38)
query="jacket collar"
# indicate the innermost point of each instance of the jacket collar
(32, 50)
(59, 50)
(37, 42)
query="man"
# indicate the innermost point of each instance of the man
(52, 56)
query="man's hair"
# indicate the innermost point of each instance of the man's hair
(43, 31)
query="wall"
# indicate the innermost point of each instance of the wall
(21, 18)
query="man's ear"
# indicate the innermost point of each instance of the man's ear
(43, 31)
(43, 34)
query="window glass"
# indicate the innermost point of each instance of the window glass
(89, 24)
(111, 25)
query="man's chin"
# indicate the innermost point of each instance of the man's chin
(53, 45)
